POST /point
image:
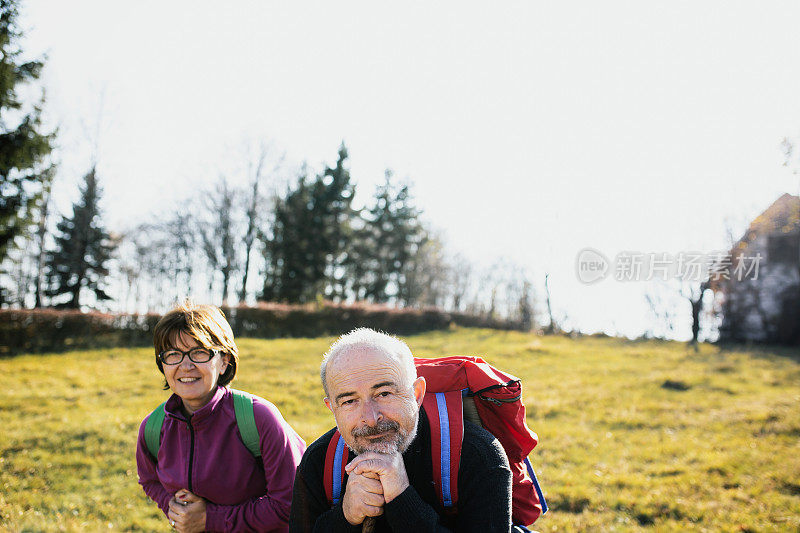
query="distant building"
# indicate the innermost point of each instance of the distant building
(761, 297)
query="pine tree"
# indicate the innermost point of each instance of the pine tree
(82, 249)
(293, 268)
(307, 252)
(24, 173)
(410, 237)
(372, 262)
(389, 238)
(333, 198)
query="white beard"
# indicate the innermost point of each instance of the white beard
(399, 442)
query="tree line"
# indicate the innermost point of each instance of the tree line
(307, 242)
(302, 241)
(244, 244)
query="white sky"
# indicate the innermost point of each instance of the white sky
(530, 129)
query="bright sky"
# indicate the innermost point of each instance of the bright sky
(530, 129)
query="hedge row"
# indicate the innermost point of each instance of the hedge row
(41, 330)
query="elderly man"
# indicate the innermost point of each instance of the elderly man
(372, 389)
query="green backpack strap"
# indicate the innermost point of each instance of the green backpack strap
(152, 430)
(246, 420)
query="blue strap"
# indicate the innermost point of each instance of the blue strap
(444, 430)
(536, 485)
(337, 471)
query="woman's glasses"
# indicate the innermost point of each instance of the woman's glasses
(196, 355)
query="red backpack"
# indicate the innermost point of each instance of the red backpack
(458, 388)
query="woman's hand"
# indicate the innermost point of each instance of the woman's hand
(187, 512)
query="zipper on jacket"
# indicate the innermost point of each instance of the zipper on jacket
(191, 451)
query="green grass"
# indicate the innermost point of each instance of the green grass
(633, 435)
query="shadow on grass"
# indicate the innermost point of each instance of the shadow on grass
(762, 351)
(646, 515)
(72, 344)
(568, 504)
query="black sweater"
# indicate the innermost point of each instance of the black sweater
(484, 490)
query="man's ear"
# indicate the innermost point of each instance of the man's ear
(328, 403)
(419, 390)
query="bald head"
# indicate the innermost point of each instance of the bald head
(361, 344)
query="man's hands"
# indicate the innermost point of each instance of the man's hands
(187, 512)
(389, 468)
(363, 497)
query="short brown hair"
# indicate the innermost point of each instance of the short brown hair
(204, 323)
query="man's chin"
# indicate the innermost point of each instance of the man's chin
(387, 446)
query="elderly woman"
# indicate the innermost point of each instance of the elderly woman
(213, 458)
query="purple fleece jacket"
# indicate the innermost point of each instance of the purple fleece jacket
(206, 456)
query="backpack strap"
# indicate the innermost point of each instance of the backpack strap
(152, 430)
(446, 419)
(536, 486)
(335, 461)
(246, 420)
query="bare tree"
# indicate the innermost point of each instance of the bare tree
(515, 294)
(502, 290)
(657, 296)
(424, 280)
(21, 273)
(157, 261)
(527, 315)
(219, 232)
(143, 264)
(791, 159)
(257, 204)
(460, 280)
(694, 292)
(552, 326)
(41, 235)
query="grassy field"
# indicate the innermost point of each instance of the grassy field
(633, 435)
